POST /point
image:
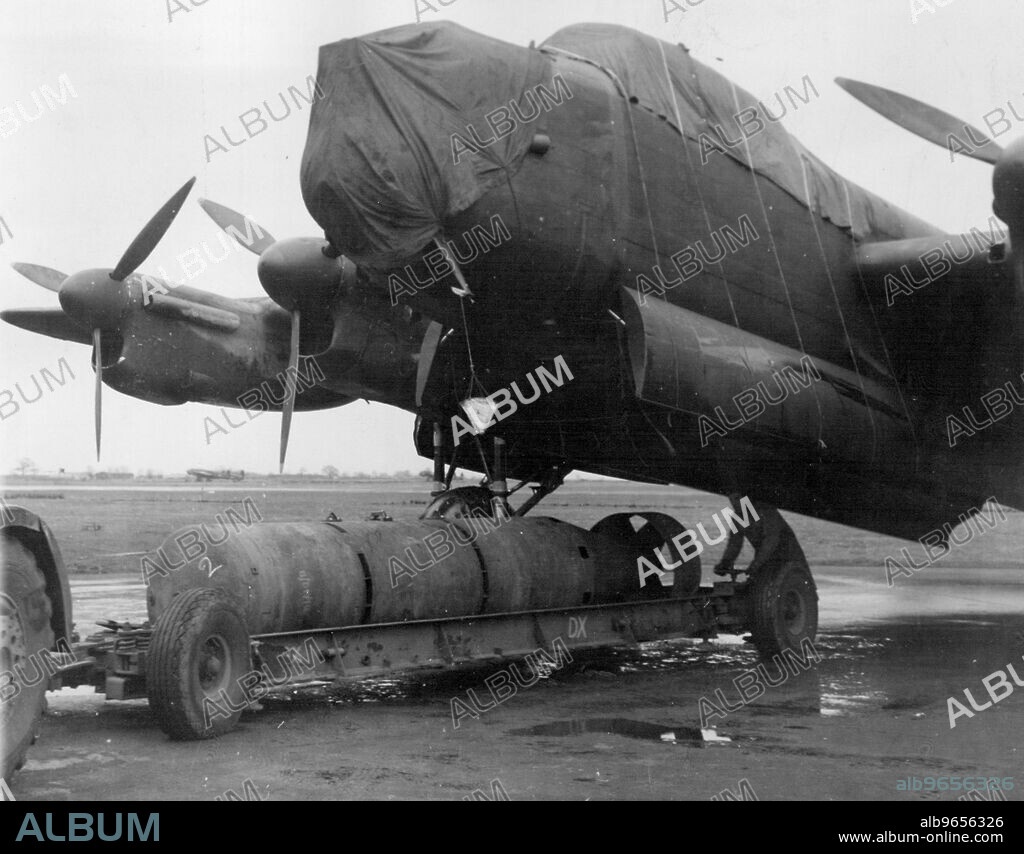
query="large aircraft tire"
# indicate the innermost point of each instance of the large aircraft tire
(783, 607)
(459, 503)
(197, 655)
(25, 631)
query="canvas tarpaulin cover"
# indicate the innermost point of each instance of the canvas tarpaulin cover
(697, 101)
(378, 172)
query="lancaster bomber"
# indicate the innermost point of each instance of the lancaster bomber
(599, 254)
(206, 475)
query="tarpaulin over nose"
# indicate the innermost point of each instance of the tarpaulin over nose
(378, 171)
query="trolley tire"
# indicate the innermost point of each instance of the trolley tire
(783, 603)
(25, 609)
(197, 654)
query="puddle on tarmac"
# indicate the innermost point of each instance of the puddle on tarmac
(728, 655)
(864, 670)
(616, 726)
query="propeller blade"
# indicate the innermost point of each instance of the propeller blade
(98, 355)
(47, 321)
(147, 239)
(291, 379)
(924, 120)
(246, 231)
(1008, 193)
(45, 277)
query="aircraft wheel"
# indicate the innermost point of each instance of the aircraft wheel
(783, 602)
(25, 631)
(197, 655)
(459, 503)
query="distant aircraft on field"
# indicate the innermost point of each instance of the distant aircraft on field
(222, 474)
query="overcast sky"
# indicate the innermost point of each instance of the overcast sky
(78, 183)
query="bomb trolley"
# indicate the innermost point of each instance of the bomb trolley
(278, 604)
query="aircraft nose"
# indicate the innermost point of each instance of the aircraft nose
(93, 299)
(378, 171)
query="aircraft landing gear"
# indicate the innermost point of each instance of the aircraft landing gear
(777, 604)
(450, 504)
(781, 597)
(459, 503)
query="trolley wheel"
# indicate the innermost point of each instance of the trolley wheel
(25, 631)
(783, 602)
(197, 655)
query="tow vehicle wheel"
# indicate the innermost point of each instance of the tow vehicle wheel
(783, 603)
(25, 631)
(197, 656)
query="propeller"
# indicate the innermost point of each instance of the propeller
(291, 381)
(299, 273)
(96, 299)
(235, 224)
(98, 405)
(922, 119)
(147, 239)
(52, 322)
(45, 277)
(939, 127)
(936, 126)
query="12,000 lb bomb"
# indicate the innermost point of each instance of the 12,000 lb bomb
(306, 575)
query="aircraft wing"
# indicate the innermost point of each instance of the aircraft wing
(944, 304)
(900, 268)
